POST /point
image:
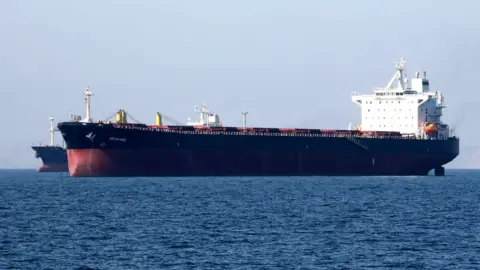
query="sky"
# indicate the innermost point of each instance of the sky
(288, 63)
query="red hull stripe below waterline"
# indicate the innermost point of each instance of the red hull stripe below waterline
(162, 162)
(63, 167)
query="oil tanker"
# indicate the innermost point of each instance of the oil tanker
(401, 133)
(54, 157)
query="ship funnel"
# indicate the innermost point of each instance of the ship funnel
(158, 120)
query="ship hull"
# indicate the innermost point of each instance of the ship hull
(53, 167)
(54, 158)
(105, 150)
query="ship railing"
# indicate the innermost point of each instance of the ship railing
(41, 144)
(283, 132)
(289, 134)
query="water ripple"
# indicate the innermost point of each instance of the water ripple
(49, 221)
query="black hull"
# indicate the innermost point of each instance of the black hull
(106, 150)
(54, 158)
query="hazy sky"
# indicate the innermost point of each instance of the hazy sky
(289, 63)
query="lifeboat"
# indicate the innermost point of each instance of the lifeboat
(358, 128)
(431, 128)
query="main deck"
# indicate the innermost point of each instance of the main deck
(259, 131)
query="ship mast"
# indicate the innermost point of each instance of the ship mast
(244, 114)
(52, 132)
(88, 96)
(203, 114)
(398, 76)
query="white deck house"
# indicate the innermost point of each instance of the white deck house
(407, 109)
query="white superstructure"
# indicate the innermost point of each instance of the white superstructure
(206, 118)
(407, 109)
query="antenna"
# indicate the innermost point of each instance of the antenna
(400, 66)
(52, 132)
(244, 116)
(88, 99)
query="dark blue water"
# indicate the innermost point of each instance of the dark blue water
(50, 221)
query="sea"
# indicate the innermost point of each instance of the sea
(53, 221)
